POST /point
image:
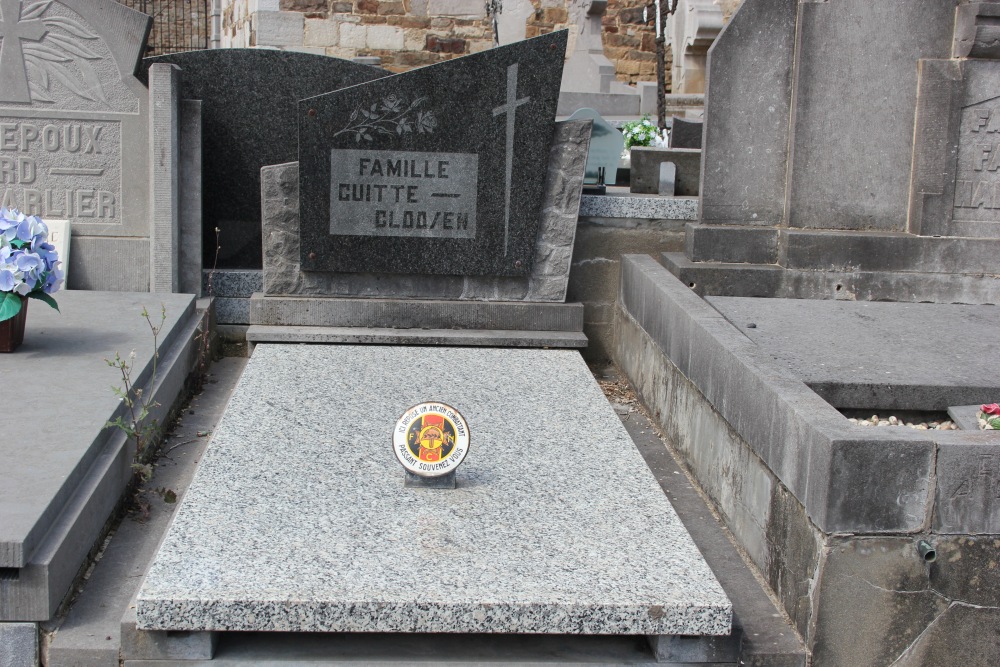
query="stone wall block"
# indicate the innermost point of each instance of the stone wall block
(353, 36)
(391, 9)
(463, 8)
(388, 38)
(546, 289)
(320, 32)
(279, 28)
(305, 6)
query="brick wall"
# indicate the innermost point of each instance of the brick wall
(412, 33)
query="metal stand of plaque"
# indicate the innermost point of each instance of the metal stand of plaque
(446, 481)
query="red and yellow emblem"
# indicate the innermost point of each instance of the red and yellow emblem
(431, 439)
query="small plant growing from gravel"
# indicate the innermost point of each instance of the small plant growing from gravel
(135, 423)
(989, 417)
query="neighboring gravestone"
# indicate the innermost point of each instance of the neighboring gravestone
(436, 171)
(912, 215)
(248, 107)
(685, 133)
(606, 145)
(73, 131)
(955, 187)
(644, 176)
(692, 29)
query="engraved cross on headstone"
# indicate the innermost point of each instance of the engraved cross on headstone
(13, 73)
(510, 108)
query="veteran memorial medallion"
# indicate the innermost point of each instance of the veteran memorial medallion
(431, 439)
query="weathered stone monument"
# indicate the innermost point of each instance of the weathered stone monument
(589, 76)
(848, 163)
(692, 29)
(75, 132)
(902, 211)
(435, 207)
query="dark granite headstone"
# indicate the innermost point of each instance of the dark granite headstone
(249, 99)
(685, 133)
(606, 145)
(435, 171)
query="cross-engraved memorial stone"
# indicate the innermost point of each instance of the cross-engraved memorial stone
(435, 171)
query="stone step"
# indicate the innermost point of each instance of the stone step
(772, 280)
(414, 313)
(378, 336)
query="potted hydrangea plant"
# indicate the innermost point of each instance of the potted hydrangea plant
(29, 268)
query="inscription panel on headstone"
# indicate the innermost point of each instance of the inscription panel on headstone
(977, 185)
(62, 168)
(403, 193)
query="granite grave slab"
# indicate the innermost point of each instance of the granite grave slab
(74, 131)
(435, 171)
(560, 528)
(249, 104)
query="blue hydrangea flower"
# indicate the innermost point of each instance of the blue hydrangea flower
(29, 264)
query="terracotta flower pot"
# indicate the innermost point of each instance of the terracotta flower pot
(12, 330)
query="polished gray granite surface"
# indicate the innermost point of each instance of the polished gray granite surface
(619, 203)
(298, 520)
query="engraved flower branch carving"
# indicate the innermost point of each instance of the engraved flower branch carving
(392, 116)
(63, 54)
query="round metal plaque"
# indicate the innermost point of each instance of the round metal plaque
(431, 439)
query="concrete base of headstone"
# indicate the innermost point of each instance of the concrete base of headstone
(524, 544)
(414, 314)
(731, 244)
(836, 538)
(18, 644)
(645, 176)
(63, 471)
(388, 336)
(159, 645)
(675, 649)
(769, 280)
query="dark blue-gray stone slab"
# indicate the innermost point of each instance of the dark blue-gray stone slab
(249, 99)
(489, 116)
(606, 145)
